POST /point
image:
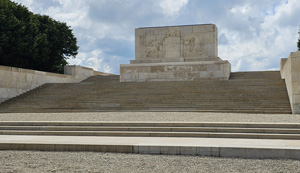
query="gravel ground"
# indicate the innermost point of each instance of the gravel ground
(34, 161)
(152, 116)
(30, 162)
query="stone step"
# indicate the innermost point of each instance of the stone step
(149, 124)
(170, 93)
(216, 147)
(115, 106)
(172, 86)
(156, 134)
(153, 129)
(168, 99)
(210, 91)
(256, 75)
(270, 90)
(223, 96)
(152, 102)
(138, 109)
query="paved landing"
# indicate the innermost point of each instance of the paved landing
(217, 147)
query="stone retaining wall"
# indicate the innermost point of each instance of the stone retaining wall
(290, 71)
(15, 81)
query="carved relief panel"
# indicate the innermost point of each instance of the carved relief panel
(163, 46)
(176, 43)
(154, 49)
(192, 47)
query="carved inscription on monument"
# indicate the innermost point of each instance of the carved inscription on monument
(172, 48)
(172, 44)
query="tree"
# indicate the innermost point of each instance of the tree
(34, 41)
(299, 44)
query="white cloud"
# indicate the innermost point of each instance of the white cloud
(241, 9)
(74, 13)
(94, 59)
(261, 45)
(254, 35)
(25, 2)
(172, 7)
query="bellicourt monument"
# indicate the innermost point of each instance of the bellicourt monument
(176, 53)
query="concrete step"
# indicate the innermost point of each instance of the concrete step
(218, 139)
(109, 109)
(256, 75)
(155, 134)
(159, 107)
(147, 124)
(154, 129)
(216, 147)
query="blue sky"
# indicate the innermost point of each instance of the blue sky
(253, 35)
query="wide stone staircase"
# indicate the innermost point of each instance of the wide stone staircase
(244, 92)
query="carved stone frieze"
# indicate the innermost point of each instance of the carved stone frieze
(176, 43)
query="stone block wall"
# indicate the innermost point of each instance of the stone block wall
(290, 71)
(78, 72)
(15, 81)
(187, 71)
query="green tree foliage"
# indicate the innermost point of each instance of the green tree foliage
(299, 45)
(33, 41)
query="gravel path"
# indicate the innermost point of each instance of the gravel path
(33, 161)
(152, 116)
(30, 162)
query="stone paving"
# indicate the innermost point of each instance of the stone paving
(152, 116)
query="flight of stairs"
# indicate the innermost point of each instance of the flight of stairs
(155, 129)
(244, 92)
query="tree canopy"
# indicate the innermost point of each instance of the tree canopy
(34, 41)
(299, 45)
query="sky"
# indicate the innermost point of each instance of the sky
(253, 35)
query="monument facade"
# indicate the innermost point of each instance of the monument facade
(175, 53)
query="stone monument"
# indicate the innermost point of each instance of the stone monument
(176, 53)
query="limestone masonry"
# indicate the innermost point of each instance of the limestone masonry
(290, 71)
(175, 53)
(15, 81)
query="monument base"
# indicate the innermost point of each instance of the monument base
(175, 71)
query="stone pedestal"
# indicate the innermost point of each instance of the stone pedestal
(176, 53)
(176, 71)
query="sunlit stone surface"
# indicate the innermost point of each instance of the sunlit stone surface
(175, 53)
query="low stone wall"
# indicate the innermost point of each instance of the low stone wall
(15, 81)
(290, 71)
